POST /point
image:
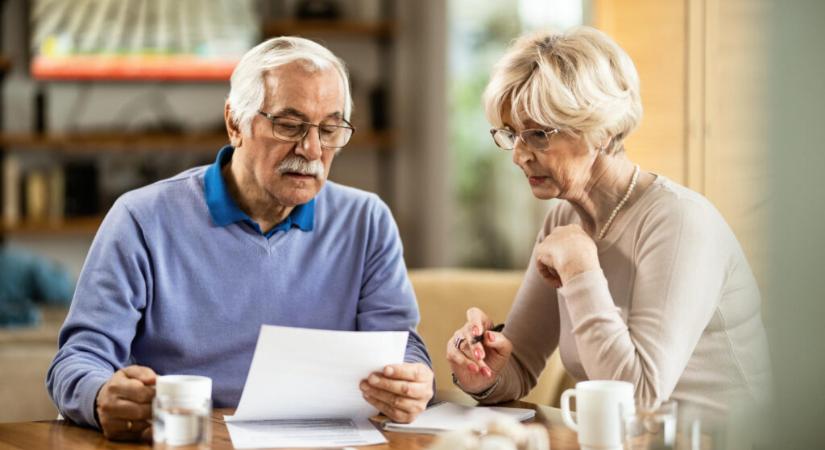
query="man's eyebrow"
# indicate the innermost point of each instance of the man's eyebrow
(292, 112)
(295, 113)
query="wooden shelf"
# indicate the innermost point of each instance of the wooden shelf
(132, 67)
(66, 226)
(207, 142)
(5, 64)
(380, 29)
(86, 142)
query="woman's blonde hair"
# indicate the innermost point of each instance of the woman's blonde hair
(580, 82)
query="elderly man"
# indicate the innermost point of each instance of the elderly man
(182, 273)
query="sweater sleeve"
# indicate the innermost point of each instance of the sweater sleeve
(387, 300)
(679, 273)
(533, 327)
(96, 337)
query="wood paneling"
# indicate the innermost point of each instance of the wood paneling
(703, 83)
(653, 33)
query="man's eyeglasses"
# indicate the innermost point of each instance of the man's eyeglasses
(537, 139)
(334, 134)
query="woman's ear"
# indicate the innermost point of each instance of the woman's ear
(235, 136)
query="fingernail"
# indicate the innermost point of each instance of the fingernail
(373, 379)
(487, 372)
(491, 336)
(475, 331)
(388, 371)
(477, 353)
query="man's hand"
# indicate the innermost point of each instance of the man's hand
(401, 391)
(124, 404)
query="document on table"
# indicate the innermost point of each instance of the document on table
(304, 433)
(299, 373)
(450, 416)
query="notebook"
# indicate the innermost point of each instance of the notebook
(448, 416)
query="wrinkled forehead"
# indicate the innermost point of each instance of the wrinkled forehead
(303, 86)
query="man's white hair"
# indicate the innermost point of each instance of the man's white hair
(247, 92)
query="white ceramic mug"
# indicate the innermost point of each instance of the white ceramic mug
(598, 412)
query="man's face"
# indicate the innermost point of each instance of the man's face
(291, 173)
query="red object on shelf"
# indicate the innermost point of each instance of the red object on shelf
(151, 67)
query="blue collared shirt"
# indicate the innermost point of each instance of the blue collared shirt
(225, 211)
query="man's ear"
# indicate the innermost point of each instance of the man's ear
(235, 136)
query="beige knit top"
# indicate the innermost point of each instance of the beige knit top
(675, 309)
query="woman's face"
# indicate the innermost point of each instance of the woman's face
(562, 170)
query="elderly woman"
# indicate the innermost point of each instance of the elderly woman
(633, 277)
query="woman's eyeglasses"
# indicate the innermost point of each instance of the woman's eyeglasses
(537, 139)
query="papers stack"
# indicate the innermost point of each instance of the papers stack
(302, 388)
(450, 416)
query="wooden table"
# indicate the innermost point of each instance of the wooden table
(59, 434)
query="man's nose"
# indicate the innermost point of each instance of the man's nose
(310, 146)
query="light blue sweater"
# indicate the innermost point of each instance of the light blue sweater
(167, 287)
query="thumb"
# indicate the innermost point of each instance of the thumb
(144, 374)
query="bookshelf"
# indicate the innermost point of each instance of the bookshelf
(375, 139)
(381, 29)
(68, 226)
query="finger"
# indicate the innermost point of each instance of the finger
(120, 409)
(409, 372)
(399, 387)
(461, 362)
(459, 355)
(396, 415)
(121, 430)
(133, 390)
(146, 375)
(478, 321)
(409, 405)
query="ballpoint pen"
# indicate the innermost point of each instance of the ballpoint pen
(497, 328)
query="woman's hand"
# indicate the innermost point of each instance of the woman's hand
(477, 364)
(400, 391)
(565, 253)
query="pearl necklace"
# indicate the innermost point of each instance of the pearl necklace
(621, 203)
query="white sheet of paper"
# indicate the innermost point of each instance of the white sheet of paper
(299, 373)
(450, 416)
(304, 433)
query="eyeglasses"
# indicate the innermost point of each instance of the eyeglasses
(334, 134)
(537, 139)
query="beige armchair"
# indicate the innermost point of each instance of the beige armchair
(444, 295)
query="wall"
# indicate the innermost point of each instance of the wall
(703, 71)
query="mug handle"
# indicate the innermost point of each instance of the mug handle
(565, 409)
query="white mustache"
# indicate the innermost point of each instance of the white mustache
(296, 164)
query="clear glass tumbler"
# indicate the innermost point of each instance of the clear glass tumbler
(181, 423)
(650, 428)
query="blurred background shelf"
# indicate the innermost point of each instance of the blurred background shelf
(5, 64)
(339, 28)
(65, 227)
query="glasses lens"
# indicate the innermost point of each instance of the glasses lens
(504, 139)
(334, 136)
(288, 129)
(536, 139)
